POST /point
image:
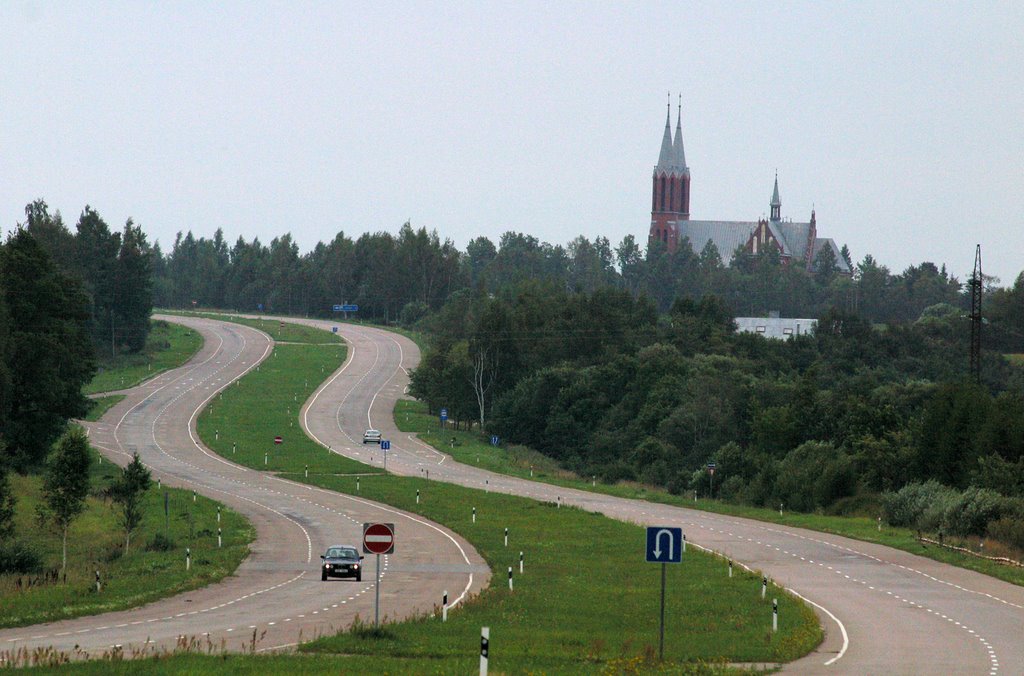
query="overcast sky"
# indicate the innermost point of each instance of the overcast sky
(902, 124)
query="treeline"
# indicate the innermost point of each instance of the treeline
(607, 386)
(403, 277)
(115, 269)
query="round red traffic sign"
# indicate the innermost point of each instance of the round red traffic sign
(378, 538)
(278, 440)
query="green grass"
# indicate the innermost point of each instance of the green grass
(281, 332)
(1017, 359)
(95, 542)
(101, 405)
(168, 346)
(471, 449)
(242, 421)
(584, 601)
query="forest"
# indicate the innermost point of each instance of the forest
(618, 361)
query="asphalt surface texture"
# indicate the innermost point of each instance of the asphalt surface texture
(276, 598)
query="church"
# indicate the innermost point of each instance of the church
(670, 217)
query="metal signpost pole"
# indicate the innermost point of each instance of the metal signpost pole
(376, 595)
(663, 546)
(661, 636)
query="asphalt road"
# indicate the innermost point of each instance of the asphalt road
(884, 611)
(276, 595)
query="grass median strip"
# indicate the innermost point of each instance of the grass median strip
(101, 405)
(153, 568)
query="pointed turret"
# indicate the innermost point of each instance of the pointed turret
(665, 159)
(678, 154)
(776, 202)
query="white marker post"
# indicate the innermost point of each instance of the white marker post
(510, 578)
(485, 649)
(417, 496)
(219, 542)
(307, 471)
(193, 496)
(444, 607)
(764, 586)
(98, 586)
(506, 537)
(357, 484)
(188, 558)
(232, 448)
(474, 515)
(218, 513)
(684, 543)
(730, 568)
(520, 563)
(775, 615)
(266, 457)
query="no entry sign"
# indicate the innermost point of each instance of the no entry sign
(278, 440)
(378, 538)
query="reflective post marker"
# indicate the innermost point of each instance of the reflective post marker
(510, 578)
(764, 586)
(730, 568)
(474, 515)
(684, 543)
(520, 563)
(506, 537)
(307, 471)
(485, 649)
(188, 558)
(444, 607)
(98, 586)
(775, 615)
(193, 496)
(357, 484)
(218, 513)
(266, 457)
(219, 542)
(232, 448)
(417, 496)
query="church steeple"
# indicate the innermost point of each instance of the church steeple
(776, 202)
(665, 158)
(678, 154)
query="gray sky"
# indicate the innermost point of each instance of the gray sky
(903, 124)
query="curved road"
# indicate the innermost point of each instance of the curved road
(276, 593)
(884, 611)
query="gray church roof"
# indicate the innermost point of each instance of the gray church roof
(776, 202)
(679, 155)
(726, 235)
(666, 157)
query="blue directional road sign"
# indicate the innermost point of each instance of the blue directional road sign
(444, 414)
(385, 445)
(494, 440)
(664, 544)
(350, 308)
(336, 308)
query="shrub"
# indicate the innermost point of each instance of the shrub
(970, 512)
(160, 543)
(812, 476)
(1008, 531)
(907, 506)
(17, 557)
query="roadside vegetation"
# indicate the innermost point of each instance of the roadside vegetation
(167, 346)
(153, 567)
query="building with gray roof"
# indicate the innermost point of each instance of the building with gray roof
(795, 242)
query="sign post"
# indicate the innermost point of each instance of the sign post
(378, 538)
(385, 446)
(664, 546)
(711, 479)
(444, 417)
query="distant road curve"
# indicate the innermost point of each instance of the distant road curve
(276, 593)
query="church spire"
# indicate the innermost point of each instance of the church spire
(665, 158)
(776, 202)
(678, 154)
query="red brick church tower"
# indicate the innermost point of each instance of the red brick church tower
(670, 200)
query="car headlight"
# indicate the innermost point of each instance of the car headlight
(327, 566)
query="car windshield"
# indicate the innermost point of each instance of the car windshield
(372, 432)
(342, 553)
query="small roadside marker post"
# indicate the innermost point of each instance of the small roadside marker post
(730, 568)
(510, 578)
(775, 615)
(520, 563)
(188, 558)
(474, 515)
(684, 543)
(444, 607)
(357, 484)
(657, 537)
(417, 496)
(266, 457)
(193, 496)
(764, 586)
(485, 648)
(219, 541)
(307, 471)
(506, 537)
(232, 448)
(218, 513)
(98, 586)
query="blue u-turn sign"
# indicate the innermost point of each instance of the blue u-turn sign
(664, 544)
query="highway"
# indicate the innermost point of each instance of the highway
(884, 611)
(276, 595)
